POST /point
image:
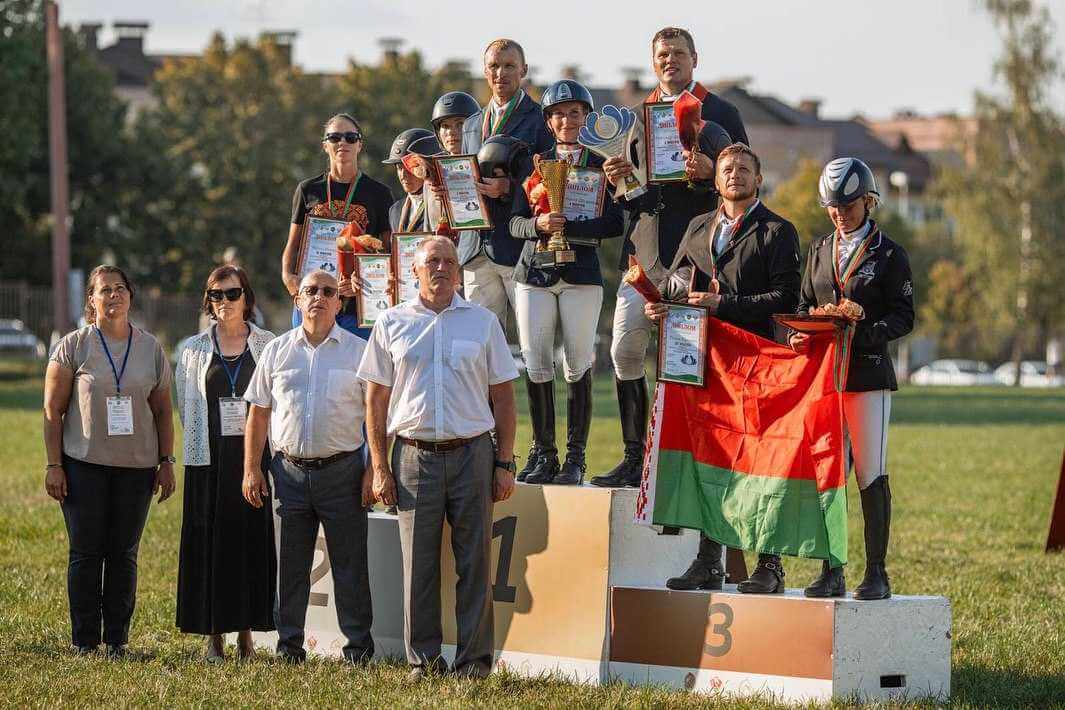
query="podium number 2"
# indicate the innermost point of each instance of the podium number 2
(724, 612)
(504, 528)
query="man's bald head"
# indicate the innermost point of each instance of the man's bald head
(319, 277)
(425, 244)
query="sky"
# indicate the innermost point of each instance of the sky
(856, 56)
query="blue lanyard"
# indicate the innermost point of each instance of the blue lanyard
(125, 358)
(231, 376)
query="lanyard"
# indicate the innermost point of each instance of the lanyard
(231, 376)
(347, 202)
(736, 226)
(406, 219)
(125, 358)
(490, 128)
(856, 256)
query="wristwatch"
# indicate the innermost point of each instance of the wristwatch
(507, 465)
(167, 459)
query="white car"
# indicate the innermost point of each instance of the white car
(1033, 374)
(954, 372)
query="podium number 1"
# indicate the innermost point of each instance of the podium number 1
(504, 528)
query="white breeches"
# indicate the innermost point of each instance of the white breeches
(632, 333)
(489, 284)
(865, 417)
(540, 310)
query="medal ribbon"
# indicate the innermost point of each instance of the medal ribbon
(125, 359)
(347, 201)
(696, 88)
(231, 376)
(855, 257)
(488, 127)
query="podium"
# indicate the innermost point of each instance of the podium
(577, 590)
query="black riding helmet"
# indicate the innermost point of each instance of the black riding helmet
(506, 152)
(844, 180)
(451, 104)
(413, 140)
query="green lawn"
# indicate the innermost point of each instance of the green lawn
(973, 473)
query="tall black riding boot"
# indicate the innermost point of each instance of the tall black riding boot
(632, 401)
(542, 411)
(876, 509)
(578, 422)
(830, 583)
(705, 570)
(767, 578)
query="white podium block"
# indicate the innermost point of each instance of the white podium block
(787, 646)
(577, 590)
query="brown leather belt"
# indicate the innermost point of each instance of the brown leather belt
(315, 463)
(437, 446)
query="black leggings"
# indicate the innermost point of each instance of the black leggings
(105, 510)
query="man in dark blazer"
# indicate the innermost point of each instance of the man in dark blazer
(657, 220)
(488, 257)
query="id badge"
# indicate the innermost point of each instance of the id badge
(233, 413)
(120, 416)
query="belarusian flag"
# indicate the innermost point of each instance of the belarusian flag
(755, 459)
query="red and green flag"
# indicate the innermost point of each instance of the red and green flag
(755, 458)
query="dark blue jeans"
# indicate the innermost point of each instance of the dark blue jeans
(330, 497)
(105, 511)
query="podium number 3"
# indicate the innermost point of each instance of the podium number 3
(504, 528)
(724, 612)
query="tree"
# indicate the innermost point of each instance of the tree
(99, 148)
(1009, 201)
(796, 200)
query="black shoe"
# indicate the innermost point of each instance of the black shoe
(438, 666)
(632, 403)
(830, 583)
(117, 651)
(542, 413)
(530, 464)
(358, 658)
(876, 510)
(701, 574)
(84, 650)
(578, 422)
(767, 578)
(293, 657)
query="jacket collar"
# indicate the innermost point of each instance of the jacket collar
(747, 227)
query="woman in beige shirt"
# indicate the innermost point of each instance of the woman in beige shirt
(109, 436)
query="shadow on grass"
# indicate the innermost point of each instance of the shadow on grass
(997, 687)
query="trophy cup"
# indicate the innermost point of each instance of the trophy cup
(609, 134)
(556, 251)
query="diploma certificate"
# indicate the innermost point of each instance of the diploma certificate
(404, 244)
(466, 208)
(665, 154)
(373, 270)
(585, 192)
(682, 345)
(318, 247)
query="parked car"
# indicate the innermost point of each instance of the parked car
(954, 372)
(1033, 374)
(16, 340)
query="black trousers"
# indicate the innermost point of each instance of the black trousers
(105, 511)
(330, 497)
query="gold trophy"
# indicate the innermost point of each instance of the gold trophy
(555, 250)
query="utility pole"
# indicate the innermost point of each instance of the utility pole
(57, 146)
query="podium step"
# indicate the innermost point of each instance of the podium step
(784, 645)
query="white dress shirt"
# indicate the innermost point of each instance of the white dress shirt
(317, 404)
(849, 241)
(439, 366)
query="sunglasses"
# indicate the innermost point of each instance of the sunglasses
(348, 136)
(232, 294)
(326, 291)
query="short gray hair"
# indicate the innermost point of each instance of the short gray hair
(423, 247)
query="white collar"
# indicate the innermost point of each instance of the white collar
(673, 97)
(415, 197)
(334, 334)
(729, 222)
(497, 107)
(858, 234)
(457, 301)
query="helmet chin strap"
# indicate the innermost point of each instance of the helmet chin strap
(558, 142)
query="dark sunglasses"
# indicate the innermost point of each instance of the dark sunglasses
(349, 136)
(312, 291)
(231, 294)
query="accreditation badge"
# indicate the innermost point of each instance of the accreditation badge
(120, 415)
(233, 413)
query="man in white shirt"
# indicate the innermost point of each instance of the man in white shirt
(438, 375)
(305, 391)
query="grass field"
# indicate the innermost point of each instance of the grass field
(973, 473)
